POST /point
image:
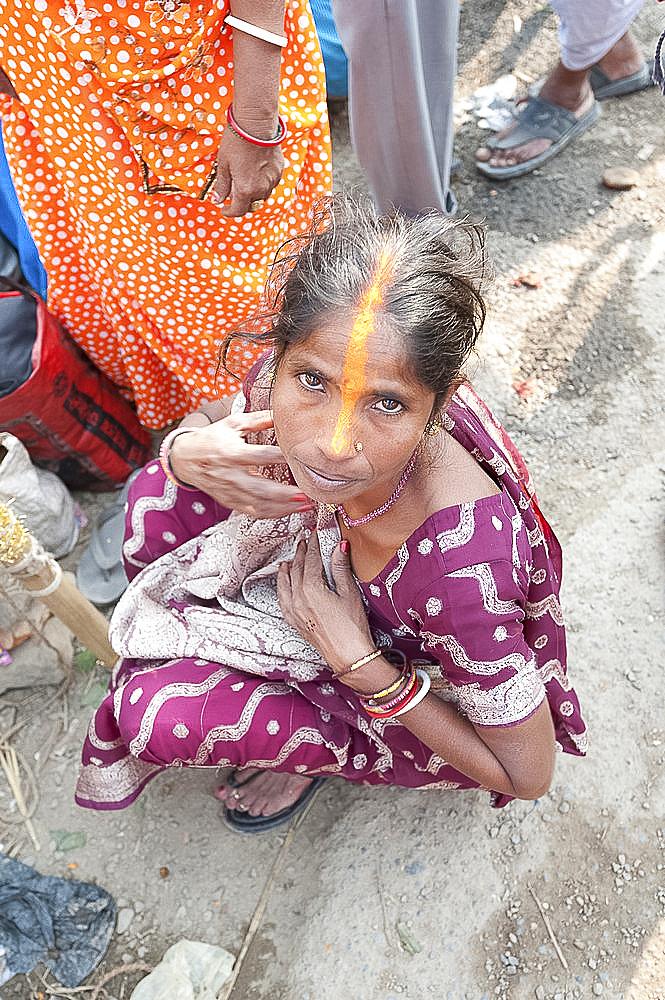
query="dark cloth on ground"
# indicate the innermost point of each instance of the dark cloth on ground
(43, 918)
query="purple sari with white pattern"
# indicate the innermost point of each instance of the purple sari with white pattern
(210, 674)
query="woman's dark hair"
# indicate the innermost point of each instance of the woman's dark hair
(432, 296)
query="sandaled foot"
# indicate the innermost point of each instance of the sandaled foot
(540, 132)
(621, 71)
(605, 86)
(258, 800)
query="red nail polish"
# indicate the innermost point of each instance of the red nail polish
(300, 496)
(305, 507)
(344, 546)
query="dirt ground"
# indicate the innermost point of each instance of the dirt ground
(384, 894)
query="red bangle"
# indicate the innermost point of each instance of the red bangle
(408, 682)
(398, 708)
(239, 131)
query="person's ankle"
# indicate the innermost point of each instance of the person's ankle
(569, 89)
(623, 59)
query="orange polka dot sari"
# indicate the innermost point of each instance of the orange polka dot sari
(112, 150)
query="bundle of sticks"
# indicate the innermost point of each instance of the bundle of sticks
(42, 575)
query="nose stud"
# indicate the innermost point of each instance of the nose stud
(358, 446)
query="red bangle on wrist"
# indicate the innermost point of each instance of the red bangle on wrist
(239, 131)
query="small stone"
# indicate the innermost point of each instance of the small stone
(540, 993)
(621, 178)
(597, 989)
(125, 917)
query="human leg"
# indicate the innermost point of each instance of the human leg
(588, 32)
(596, 31)
(195, 713)
(402, 63)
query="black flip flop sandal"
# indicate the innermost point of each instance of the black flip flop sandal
(244, 823)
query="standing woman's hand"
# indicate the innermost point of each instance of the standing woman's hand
(245, 173)
(248, 172)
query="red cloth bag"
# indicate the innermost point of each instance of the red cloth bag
(71, 418)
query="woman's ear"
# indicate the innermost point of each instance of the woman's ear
(433, 425)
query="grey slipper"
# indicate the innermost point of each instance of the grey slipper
(604, 88)
(100, 574)
(539, 120)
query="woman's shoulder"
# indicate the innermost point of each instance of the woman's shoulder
(480, 530)
(486, 530)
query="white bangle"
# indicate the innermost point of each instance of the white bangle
(253, 29)
(424, 688)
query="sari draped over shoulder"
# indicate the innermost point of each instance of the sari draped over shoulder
(112, 151)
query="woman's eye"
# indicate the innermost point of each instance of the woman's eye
(310, 381)
(388, 406)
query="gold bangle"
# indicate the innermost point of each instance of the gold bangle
(361, 662)
(393, 687)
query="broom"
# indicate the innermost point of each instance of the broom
(42, 575)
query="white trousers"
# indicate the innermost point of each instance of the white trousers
(589, 28)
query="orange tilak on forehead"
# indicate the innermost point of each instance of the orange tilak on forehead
(355, 362)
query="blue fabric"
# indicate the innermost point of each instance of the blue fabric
(334, 57)
(13, 226)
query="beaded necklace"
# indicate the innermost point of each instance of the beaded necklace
(351, 522)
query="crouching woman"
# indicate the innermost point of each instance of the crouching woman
(343, 571)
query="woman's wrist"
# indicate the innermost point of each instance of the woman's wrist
(176, 454)
(374, 676)
(262, 124)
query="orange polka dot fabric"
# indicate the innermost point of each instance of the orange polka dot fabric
(111, 150)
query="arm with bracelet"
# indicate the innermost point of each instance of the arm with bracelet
(250, 161)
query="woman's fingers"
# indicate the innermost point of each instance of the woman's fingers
(258, 420)
(340, 565)
(260, 497)
(284, 592)
(252, 423)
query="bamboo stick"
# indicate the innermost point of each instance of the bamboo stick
(42, 575)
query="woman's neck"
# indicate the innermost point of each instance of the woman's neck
(444, 475)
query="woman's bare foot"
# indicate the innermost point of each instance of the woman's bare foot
(262, 793)
(569, 89)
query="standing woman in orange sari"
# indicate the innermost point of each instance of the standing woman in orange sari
(162, 151)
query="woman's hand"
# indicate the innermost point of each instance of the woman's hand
(333, 621)
(217, 459)
(245, 173)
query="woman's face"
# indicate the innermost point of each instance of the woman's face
(332, 394)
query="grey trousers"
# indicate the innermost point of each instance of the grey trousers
(402, 57)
